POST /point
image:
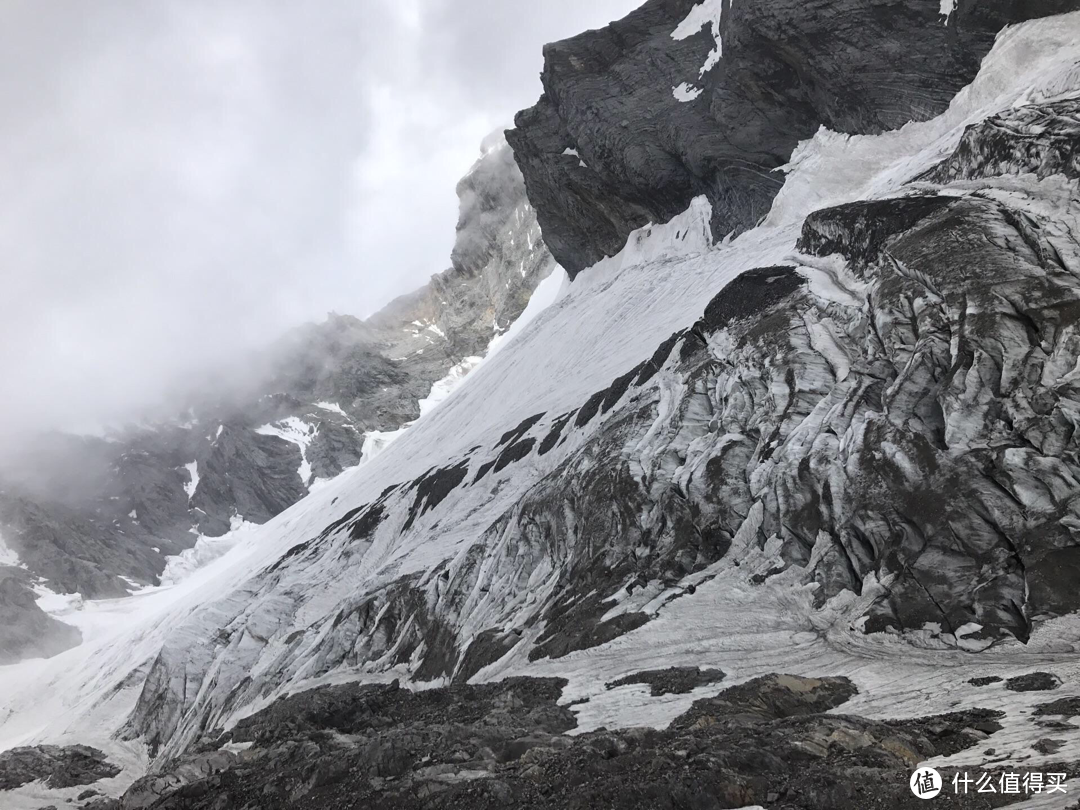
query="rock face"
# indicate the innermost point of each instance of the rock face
(57, 767)
(671, 681)
(766, 742)
(96, 517)
(499, 257)
(682, 98)
(25, 629)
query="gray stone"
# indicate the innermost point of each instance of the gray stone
(857, 66)
(55, 766)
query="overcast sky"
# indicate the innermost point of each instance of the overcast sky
(185, 178)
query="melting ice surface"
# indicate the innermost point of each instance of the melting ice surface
(613, 316)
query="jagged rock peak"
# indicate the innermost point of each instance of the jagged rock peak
(681, 99)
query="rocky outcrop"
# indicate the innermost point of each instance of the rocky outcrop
(1042, 139)
(498, 259)
(671, 681)
(766, 742)
(26, 631)
(685, 98)
(55, 766)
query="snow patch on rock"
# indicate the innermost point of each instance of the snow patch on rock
(193, 479)
(686, 92)
(295, 430)
(706, 13)
(333, 407)
(569, 153)
(8, 555)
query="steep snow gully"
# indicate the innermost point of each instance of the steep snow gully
(649, 474)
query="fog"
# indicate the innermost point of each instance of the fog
(185, 180)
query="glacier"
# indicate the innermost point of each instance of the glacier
(332, 590)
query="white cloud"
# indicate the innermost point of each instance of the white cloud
(187, 179)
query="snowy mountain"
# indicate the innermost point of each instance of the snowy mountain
(772, 504)
(98, 517)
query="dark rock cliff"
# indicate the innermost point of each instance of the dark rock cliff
(639, 117)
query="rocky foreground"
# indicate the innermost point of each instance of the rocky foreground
(778, 741)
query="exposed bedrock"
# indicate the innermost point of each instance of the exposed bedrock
(681, 99)
(55, 766)
(769, 741)
(25, 629)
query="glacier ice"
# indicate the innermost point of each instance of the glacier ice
(598, 328)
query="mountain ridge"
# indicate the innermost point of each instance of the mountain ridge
(826, 462)
(97, 517)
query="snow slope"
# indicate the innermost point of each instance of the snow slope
(610, 319)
